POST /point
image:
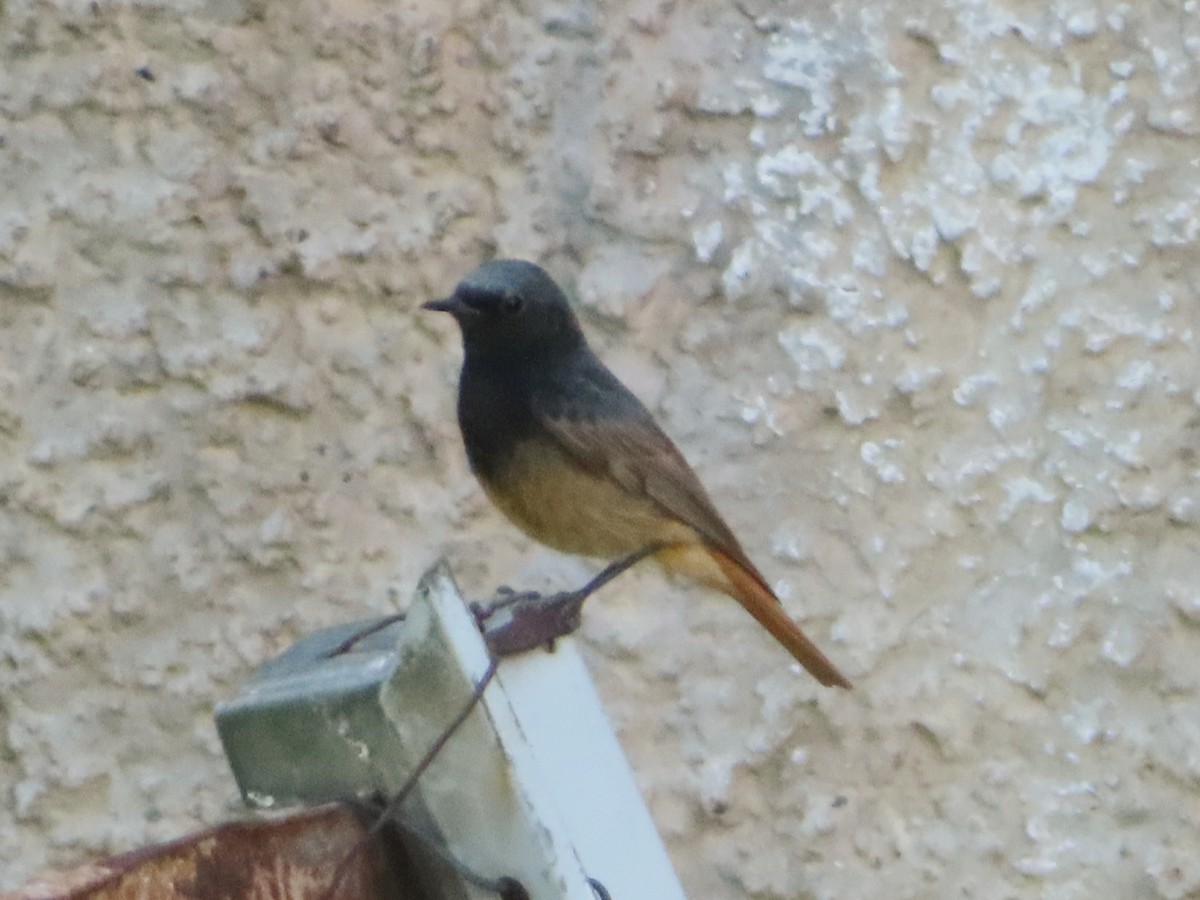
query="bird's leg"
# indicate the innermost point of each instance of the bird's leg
(531, 620)
(609, 572)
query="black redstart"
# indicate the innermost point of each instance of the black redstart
(575, 460)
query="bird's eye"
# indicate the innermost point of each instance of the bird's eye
(512, 303)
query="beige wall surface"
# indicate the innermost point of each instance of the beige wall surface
(913, 284)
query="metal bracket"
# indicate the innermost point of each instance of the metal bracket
(533, 785)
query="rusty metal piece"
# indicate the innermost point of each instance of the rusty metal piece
(285, 858)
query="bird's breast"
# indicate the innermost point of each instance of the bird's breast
(538, 485)
(494, 416)
(558, 502)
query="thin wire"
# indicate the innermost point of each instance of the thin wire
(505, 886)
(401, 795)
(374, 628)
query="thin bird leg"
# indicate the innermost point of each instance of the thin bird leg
(531, 620)
(611, 571)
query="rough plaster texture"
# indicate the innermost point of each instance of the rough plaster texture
(914, 284)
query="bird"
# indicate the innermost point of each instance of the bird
(575, 460)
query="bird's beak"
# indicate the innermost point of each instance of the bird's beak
(446, 305)
(455, 305)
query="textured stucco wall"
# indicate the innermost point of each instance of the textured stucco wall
(914, 285)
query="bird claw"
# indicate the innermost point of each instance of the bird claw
(515, 622)
(528, 620)
(504, 598)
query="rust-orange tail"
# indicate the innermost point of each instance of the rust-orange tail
(747, 589)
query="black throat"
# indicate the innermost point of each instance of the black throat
(494, 410)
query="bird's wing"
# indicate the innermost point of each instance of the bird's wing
(602, 426)
(607, 430)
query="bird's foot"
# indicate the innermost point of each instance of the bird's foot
(517, 622)
(503, 598)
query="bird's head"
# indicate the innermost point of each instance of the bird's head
(511, 308)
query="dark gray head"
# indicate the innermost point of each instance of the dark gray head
(509, 307)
